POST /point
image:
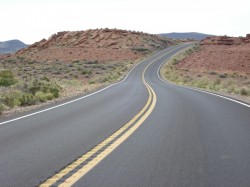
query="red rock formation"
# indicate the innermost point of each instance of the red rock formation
(221, 53)
(225, 40)
(98, 44)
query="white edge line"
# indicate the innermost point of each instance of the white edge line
(57, 106)
(207, 92)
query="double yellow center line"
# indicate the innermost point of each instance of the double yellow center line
(77, 169)
(103, 149)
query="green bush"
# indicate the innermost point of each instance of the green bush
(217, 82)
(38, 91)
(7, 78)
(224, 75)
(12, 99)
(42, 97)
(175, 61)
(45, 87)
(230, 89)
(203, 83)
(28, 99)
(36, 86)
(52, 88)
(50, 96)
(243, 91)
(1, 108)
(86, 72)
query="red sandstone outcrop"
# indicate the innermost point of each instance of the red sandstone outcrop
(226, 40)
(224, 54)
(99, 44)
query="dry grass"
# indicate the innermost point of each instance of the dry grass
(229, 83)
(75, 78)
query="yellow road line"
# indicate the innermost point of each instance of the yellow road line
(87, 155)
(81, 172)
(85, 169)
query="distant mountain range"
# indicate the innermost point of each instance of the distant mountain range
(11, 46)
(186, 35)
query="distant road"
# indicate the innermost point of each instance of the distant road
(139, 132)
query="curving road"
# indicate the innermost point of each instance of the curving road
(139, 132)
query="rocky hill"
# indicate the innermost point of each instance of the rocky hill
(101, 44)
(70, 64)
(11, 46)
(219, 64)
(186, 35)
(221, 53)
(226, 40)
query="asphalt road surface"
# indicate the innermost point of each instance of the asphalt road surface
(139, 132)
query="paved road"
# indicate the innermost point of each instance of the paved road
(190, 138)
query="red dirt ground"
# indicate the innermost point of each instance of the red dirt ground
(104, 45)
(223, 54)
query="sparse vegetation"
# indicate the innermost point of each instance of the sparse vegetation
(140, 49)
(7, 78)
(12, 99)
(38, 91)
(230, 83)
(72, 65)
(86, 72)
(38, 82)
(1, 108)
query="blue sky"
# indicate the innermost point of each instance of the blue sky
(33, 20)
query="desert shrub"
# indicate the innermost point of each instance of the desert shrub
(34, 87)
(75, 61)
(42, 97)
(86, 72)
(7, 78)
(79, 69)
(46, 78)
(45, 87)
(28, 99)
(140, 49)
(230, 89)
(54, 89)
(212, 73)
(217, 82)
(92, 82)
(175, 61)
(1, 108)
(202, 83)
(189, 51)
(50, 96)
(224, 75)
(12, 99)
(92, 62)
(243, 91)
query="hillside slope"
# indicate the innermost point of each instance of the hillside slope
(101, 44)
(11, 46)
(221, 53)
(220, 64)
(70, 64)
